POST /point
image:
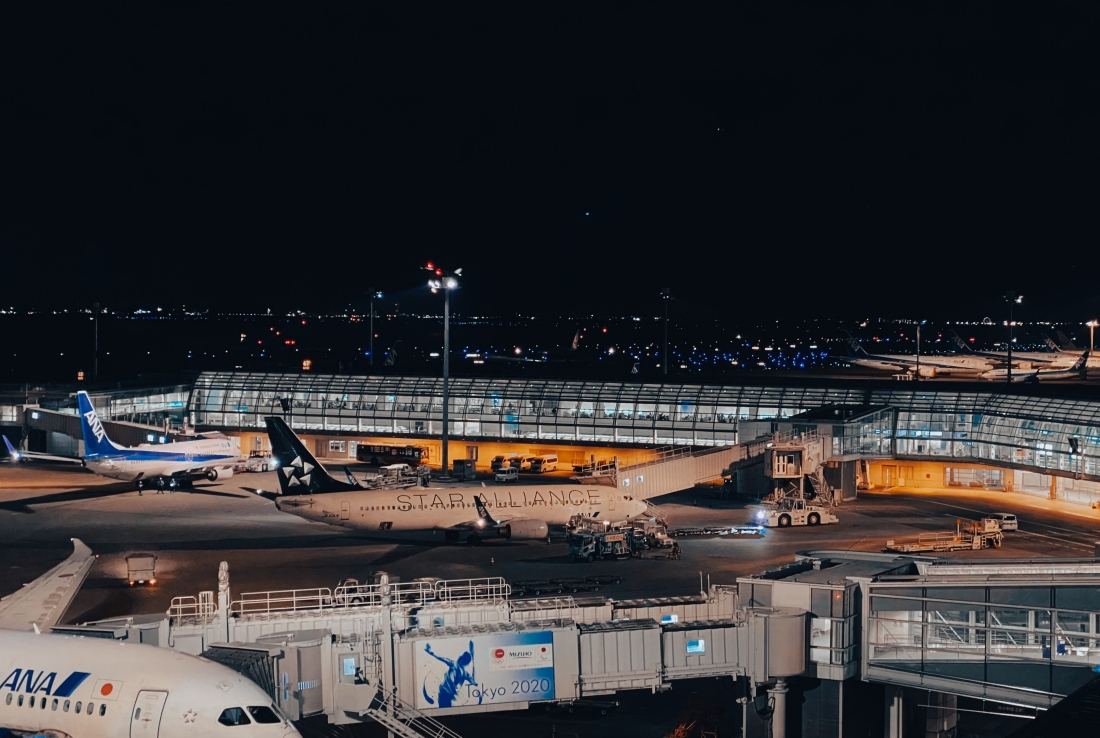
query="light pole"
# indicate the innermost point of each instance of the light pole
(373, 295)
(1092, 326)
(95, 347)
(666, 295)
(445, 282)
(1013, 299)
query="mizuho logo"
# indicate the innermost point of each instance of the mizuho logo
(96, 425)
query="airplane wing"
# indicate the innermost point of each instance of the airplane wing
(16, 455)
(43, 602)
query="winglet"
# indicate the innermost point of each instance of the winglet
(11, 450)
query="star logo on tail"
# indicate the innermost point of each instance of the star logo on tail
(298, 473)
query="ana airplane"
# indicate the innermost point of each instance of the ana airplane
(308, 491)
(1057, 358)
(167, 465)
(928, 366)
(1079, 370)
(62, 686)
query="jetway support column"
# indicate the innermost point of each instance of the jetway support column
(778, 694)
(894, 712)
(941, 717)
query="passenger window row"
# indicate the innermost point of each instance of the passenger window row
(41, 701)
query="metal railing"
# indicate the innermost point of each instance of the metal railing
(201, 609)
(283, 600)
(405, 720)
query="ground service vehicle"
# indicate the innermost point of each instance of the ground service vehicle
(500, 462)
(382, 455)
(535, 588)
(141, 568)
(541, 464)
(793, 511)
(1007, 520)
(590, 544)
(507, 474)
(576, 584)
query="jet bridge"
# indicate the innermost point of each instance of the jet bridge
(831, 641)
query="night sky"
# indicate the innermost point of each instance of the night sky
(758, 158)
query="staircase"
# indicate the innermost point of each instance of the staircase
(652, 511)
(405, 720)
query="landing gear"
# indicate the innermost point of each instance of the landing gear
(450, 536)
(473, 540)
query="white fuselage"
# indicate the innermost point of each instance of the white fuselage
(959, 365)
(94, 688)
(442, 508)
(152, 460)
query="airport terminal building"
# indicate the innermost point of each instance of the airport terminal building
(929, 433)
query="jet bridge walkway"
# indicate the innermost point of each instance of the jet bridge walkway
(405, 655)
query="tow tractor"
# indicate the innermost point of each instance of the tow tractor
(790, 511)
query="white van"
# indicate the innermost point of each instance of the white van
(1007, 520)
(547, 463)
(507, 474)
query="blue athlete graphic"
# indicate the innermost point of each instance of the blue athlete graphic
(454, 679)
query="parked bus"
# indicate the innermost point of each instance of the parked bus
(382, 455)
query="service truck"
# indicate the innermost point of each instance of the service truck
(141, 568)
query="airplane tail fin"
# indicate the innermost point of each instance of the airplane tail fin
(853, 346)
(576, 340)
(482, 511)
(96, 442)
(1050, 344)
(298, 472)
(1082, 364)
(1065, 342)
(960, 344)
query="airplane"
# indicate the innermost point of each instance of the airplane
(61, 685)
(520, 513)
(929, 366)
(1057, 357)
(1079, 370)
(167, 465)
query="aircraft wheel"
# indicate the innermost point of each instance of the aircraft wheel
(473, 540)
(814, 519)
(784, 521)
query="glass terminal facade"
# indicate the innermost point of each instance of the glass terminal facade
(1025, 432)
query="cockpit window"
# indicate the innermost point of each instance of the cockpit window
(263, 715)
(233, 716)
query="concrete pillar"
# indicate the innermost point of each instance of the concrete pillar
(940, 717)
(778, 693)
(1053, 487)
(894, 712)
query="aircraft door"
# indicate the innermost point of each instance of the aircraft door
(611, 501)
(345, 510)
(148, 708)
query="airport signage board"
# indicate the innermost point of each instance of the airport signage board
(484, 669)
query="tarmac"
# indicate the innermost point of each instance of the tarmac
(192, 531)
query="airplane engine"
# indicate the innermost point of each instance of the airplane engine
(215, 474)
(928, 371)
(525, 529)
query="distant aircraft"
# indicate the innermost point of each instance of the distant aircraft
(166, 465)
(519, 512)
(59, 685)
(1057, 358)
(929, 366)
(1079, 370)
